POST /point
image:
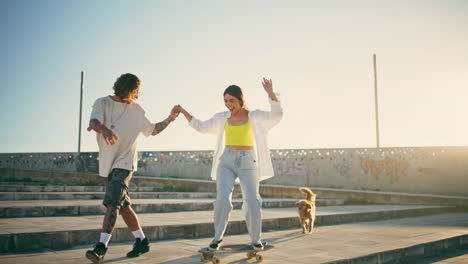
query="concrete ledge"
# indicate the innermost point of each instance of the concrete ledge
(55, 177)
(67, 239)
(408, 253)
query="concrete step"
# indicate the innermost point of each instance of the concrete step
(4, 187)
(19, 196)
(387, 241)
(446, 255)
(43, 208)
(351, 196)
(66, 232)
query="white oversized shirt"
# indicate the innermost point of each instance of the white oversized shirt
(262, 122)
(129, 120)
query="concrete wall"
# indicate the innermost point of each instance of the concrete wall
(432, 170)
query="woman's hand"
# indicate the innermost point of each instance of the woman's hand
(184, 112)
(268, 86)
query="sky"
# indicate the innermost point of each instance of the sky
(317, 53)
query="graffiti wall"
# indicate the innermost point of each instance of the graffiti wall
(433, 170)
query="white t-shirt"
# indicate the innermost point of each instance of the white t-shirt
(127, 121)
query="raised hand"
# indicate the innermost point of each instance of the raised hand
(268, 86)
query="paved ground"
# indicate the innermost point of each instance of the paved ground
(326, 244)
(49, 224)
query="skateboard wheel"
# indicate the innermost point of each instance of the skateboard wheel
(259, 258)
(250, 255)
(202, 258)
(216, 260)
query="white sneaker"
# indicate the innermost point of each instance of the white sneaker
(215, 245)
(259, 246)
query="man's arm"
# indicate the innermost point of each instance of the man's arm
(109, 136)
(159, 127)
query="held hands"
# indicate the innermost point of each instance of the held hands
(268, 86)
(180, 109)
(175, 112)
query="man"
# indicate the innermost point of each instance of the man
(118, 120)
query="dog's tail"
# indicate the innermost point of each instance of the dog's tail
(310, 195)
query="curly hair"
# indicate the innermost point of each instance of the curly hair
(236, 91)
(125, 85)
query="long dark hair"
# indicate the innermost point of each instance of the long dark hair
(126, 84)
(235, 91)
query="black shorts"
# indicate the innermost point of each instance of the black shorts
(117, 188)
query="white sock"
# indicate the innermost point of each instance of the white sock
(139, 234)
(105, 238)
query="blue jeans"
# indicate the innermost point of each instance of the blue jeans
(240, 164)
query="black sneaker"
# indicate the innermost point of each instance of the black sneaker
(215, 245)
(259, 246)
(140, 247)
(97, 254)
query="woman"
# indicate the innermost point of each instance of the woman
(241, 152)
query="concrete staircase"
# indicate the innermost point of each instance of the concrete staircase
(36, 215)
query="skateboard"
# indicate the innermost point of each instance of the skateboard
(209, 255)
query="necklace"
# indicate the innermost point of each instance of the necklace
(112, 113)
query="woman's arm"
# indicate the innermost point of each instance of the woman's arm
(187, 115)
(275, 115)
(209, 126)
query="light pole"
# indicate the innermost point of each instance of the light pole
(376, 103)
(81, 106)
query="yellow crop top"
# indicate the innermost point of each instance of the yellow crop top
(239, 135)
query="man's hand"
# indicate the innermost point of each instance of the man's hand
(109, 136)
(175, 112)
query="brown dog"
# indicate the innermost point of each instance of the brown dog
(307, 210)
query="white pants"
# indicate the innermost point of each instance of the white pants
(242, 164)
